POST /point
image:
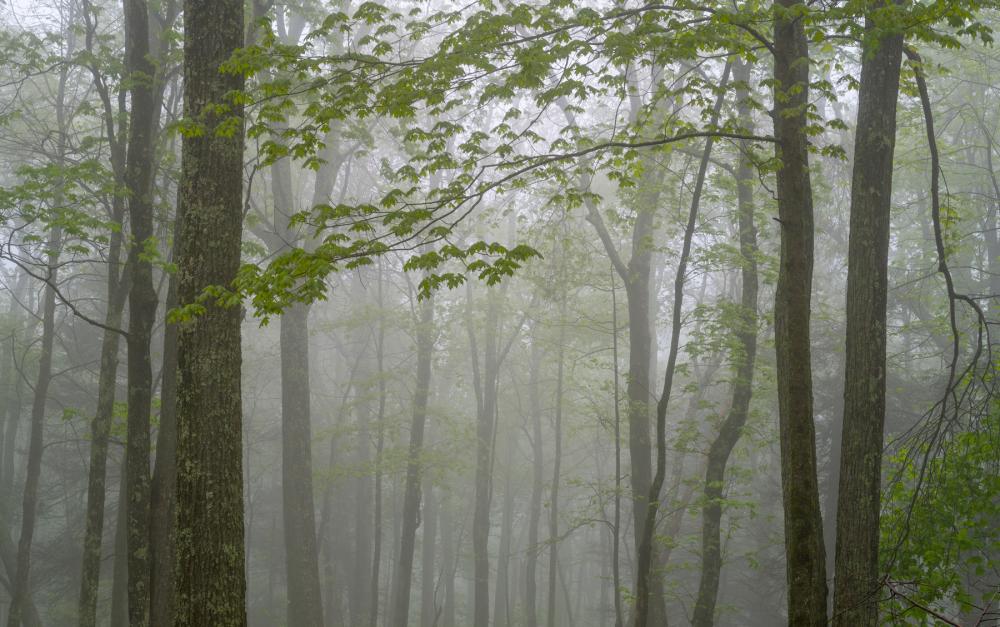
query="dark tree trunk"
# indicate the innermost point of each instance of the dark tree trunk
(142, 303)
(305, 603)
(805, 558)
(411, 498)
(746, 334)
(163, 490)
(856, 589)
(210, 566)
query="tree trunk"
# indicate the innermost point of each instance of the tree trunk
(501, 594)
(210, 566)
(537, 484)
(163, 490)
(142, 303)
(119, 575)
(411, 498)
(805, 559)
(556, 467)
(486, 397)
(20, 592)
(648, 594)
(428, 593)
(746, 334)
(100, 430)
(856, 590)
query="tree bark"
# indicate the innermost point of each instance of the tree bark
(805, 558)
(746, 335)
(143, 303)
(210, 565)
(856, 590)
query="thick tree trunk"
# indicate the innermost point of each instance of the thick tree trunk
(411, 498)
(805, 556)
(746, 334)
(20, 592)
(210, 566)
(856, 590)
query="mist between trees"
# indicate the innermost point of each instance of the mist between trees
(499, 314)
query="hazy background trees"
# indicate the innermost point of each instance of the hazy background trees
(549, 314)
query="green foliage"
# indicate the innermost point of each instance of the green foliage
(948, 535)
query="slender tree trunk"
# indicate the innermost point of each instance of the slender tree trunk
(805, 556)
(486, 396)
(100, 430)
(119, 575)
(163, 490)
(142, 303)
(411, 498)
(856, 590)
(616, 529)
(647, 595)
(361, 569)
(20, 592)
(746, 334)
(449, 564)
(210, 565)
(428, 581)
(556, 468)
(501, 596)
(379, 457)
(537, 484)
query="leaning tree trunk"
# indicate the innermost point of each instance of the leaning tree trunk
(856, 589)
(746, 335)
(411, 499)
(210, 565)
(805, 556)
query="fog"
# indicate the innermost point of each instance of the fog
(498, 314)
